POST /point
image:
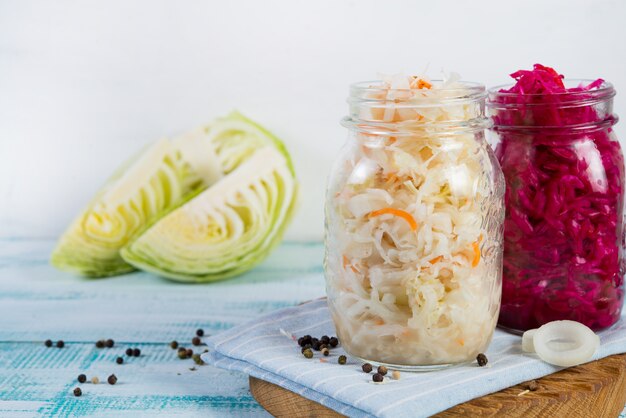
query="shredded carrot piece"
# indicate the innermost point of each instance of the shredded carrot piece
(461, 341)
(391, 178)
(396, 212)
(423, 84)
(420, 84)
(436, 259)
(346, 263)
(392, 140)
(380, 322)
(476, 248)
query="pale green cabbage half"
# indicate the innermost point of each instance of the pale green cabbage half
(155, 180)
(151, 185)
(225, 230)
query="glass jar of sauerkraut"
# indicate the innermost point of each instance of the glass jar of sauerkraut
(564, 169)
(414, 217)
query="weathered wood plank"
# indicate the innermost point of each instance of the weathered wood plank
(38, 302)
(139, 310)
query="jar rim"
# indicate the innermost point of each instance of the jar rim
(363, 91)
(564, 130)
(407, 128)
(603, 92)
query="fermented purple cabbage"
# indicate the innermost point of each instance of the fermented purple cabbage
(564, 170)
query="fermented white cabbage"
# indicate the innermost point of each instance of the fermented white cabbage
(407, 280)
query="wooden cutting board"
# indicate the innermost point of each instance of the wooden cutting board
(596, 389)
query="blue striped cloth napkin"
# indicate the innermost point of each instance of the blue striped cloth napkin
(262, 348)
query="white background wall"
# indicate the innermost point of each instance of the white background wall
(83, 84)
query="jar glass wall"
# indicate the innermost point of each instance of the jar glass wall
(414, 215)
(564, 237)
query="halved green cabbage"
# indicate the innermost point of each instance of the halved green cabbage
(228, 228)
(149, 184)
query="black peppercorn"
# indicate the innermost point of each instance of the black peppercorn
(377, 377)
(316, 345)
(109, 343)
(325, 339)
(481, 359)
(189, 352)
(301, 341)
(136, 352)
(367, 367)
(48, 343)
(129, 351)
(174, 344)
(334, 342)
(197, 359)
(119, 360)
(196, 341)
(99, 344)
(182, 354)
(82, 378)
(342, 359)
(308, 353)
(382, 370)
(60, 344)
(325, 351)
(533, 385)
(112, 379)
(77, 392)
(200, 332)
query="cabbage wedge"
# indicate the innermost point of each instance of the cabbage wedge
(156, 180)
(228, 228)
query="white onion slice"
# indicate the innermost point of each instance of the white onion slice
(565, 343)
(528, 345)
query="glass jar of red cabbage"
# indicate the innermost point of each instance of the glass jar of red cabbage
(564, 171)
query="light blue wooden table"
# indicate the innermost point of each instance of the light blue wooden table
(136, 310)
